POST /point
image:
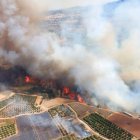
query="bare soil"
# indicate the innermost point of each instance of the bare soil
(128, 123)
(5, 94)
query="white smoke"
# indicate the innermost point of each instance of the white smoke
(109, 53)
(40, 6)
(73, 126)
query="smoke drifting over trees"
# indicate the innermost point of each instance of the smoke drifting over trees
(109, 54)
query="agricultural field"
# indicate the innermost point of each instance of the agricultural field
(6, 102)
(58, 113)
(5, 94)
(18, 104)
(69, 137)
(17, 109)
(106, 128)
(93, 137)
(7, 128)
(68, 123)
(36, 127)
(54, 102)
(126, 122)
(83, 109)
(62, 111)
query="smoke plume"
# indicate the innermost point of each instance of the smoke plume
(101, 65)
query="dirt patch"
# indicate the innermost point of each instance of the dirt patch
(55, 102)
(83, 110)
(5, 95)
(128, 123)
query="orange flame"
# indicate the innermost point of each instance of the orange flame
(66, 90)
(80, 99)
(27, 79)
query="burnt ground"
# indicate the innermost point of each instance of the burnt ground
(36, 127)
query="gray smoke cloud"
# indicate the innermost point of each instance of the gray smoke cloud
(73, 126)
(101, 65)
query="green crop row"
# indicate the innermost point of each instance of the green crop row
(107, 128)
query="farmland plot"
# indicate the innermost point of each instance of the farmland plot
(36, 127)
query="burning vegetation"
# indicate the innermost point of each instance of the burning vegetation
(17, 77)
(27, 79)
(73, 59)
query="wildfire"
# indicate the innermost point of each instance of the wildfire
(80, 99)
(72, 96)
(66, 90)
(27, 79)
